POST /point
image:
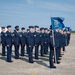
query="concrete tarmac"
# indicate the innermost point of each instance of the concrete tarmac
(40, 67)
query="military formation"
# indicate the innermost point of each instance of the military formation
(42, 41)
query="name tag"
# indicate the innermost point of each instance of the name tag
(40, 35)
(20, 35)
(5, 34)
(34, 35)
(51, 36)
(12, 34)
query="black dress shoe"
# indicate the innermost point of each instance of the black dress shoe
(45, 53)
(16, 58)
(54, 61)
(60, 56)
(10, 61)
(22, 55)
(42, 55)
(58, 62)
(54, 67)
(36, 58)
(59, 59)
(3, 55)
(31, 62)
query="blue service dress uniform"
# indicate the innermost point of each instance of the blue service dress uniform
(27, 44)
(56, 40)
(60, 43)
(68, 38)
(36, 43)
(64, 41)
(16, 40)
(23, 42)
(51, 51)
(30, 42)
(9, 45)
(3, 41)
(42, 41)
(46, 40)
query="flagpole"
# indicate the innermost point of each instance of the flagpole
(54, 47)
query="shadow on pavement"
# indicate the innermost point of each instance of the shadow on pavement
(42, 63)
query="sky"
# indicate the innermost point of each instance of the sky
(36, 12)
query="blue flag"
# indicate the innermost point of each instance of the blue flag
(57, 23)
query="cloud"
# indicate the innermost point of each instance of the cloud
(58, 6)
(30, 2)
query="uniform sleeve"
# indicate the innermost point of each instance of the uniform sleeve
(29, 40)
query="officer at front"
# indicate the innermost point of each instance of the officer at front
(16, 39)
(3, 40)
(22, 41)
(36, 41)
(56, 41)
(9, 43)
(30, 43)
(51, 49)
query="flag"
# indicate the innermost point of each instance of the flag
(57, 23)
